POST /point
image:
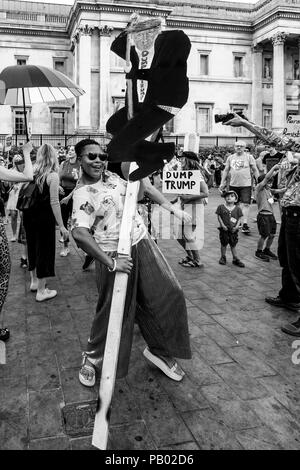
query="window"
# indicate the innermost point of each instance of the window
(267, 118)
(59, 65)
(203, 118)
(21, 59)
(239, 108)
(238, 66)
(58, 122)
(267, 68)
(296, 69)
(19, 122)
(204, 64)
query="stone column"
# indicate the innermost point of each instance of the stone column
(256, 100)
(105, 91)
(84, 72)
(279, 100)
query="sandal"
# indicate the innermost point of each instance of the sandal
(88, 382)
(191, 264)
(184, 260)
(4, 334)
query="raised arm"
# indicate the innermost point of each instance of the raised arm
(265, 134)
(16, 176)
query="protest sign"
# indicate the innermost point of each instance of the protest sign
(181, 182)
(292, 127)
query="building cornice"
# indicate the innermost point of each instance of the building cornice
(149, 10)
(207, 24)
(279, 14)
(24, 31)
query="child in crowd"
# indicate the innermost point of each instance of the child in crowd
(266, 222)
(230, 218)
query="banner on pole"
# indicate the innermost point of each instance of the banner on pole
(181, 182)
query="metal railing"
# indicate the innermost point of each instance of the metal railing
(72, 139)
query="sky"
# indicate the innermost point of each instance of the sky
(70, 2)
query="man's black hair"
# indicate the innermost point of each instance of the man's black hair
(83, 143)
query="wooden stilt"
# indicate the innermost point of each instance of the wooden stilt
(110, 361)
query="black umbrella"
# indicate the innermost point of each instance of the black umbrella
(21, 85)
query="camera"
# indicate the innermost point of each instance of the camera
(226, 117)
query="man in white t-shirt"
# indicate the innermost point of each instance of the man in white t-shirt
(241, 168)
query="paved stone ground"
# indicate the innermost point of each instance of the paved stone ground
(240, 390)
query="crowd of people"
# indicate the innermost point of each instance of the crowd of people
(82, 192)
(96, 188)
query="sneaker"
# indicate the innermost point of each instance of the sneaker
(87, 262)
(238, 262)
(270, 254)
(292, 328)
(4, 334)
(222, 260)
(259, 254)
(13, 239)
(65, 252)
(23, 263)
(45, 295)
(246, 229)
(61, 240)
(175, 372)
(279, 302)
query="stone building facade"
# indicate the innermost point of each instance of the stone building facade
(243, 57)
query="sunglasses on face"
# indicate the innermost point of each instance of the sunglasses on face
(92, 156)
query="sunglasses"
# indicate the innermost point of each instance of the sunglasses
(92, 156)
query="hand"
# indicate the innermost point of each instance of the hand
(225, 228)
(65, 200)
(234, 229)
(237, 121)
(182, 215)
(27, 148)
(221, 188)
(285, 165)
(61, 191)
(64, 233)
(124, 265)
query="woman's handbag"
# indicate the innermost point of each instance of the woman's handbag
(28, 196)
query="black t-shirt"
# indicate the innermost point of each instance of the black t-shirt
(271, 160)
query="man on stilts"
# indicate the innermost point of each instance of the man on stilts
(154, 298)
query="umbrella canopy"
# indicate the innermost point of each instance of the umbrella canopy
(40, 84)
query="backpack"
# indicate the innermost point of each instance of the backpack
(28, 196)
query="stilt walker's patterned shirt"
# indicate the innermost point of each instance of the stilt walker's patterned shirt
(99, 208)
